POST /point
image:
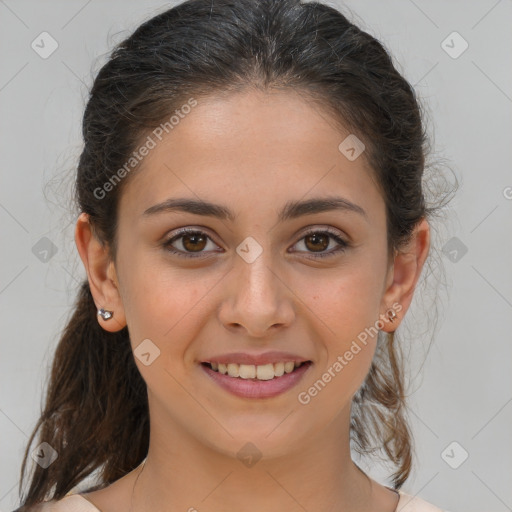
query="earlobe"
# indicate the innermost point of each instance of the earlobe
(101, 275)
(404, 274)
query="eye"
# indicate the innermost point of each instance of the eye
(319, 240)
(191, 241)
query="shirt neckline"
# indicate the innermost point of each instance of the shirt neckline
(96, 509)
(399, 493)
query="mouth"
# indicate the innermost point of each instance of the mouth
(262, 372)
(256, 381)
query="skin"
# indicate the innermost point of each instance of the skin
(251, 151)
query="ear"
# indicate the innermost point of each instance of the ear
(403, 276)
(101, 274)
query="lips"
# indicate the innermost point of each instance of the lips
(263, 385)
(262, 375)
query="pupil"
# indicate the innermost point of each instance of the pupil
(317, 236)
(195, 238)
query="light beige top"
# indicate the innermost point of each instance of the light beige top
(77, 503)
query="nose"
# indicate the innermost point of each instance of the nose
(257, 300)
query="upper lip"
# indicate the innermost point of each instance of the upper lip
(256, 359)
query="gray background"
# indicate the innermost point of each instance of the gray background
(462, 388)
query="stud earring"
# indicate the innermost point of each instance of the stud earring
(391, 315)
(106, 315)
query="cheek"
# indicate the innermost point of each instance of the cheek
(348, 310)
(162, 317)
(164, 304)
(347, 301)
(151, 287)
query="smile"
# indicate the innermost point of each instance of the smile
(257, 381)
(250, 371)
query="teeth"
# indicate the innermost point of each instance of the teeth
(233, 370)
(265, 372)
(245, 371)
(260, 372)
(279, 369)
(289, 366)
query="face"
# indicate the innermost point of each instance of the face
(266, 278)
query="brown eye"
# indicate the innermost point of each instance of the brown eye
(189, 244)
(317, 241)
(194, 242)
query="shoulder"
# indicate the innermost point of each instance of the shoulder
(409, 503)
(70, 503)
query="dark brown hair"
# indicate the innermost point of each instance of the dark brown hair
(96, 410)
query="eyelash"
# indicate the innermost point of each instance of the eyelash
(187, 231)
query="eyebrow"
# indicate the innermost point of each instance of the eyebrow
(291, 210)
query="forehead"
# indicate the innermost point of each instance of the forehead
(247, 149)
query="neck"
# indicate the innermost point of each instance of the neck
(181, 473)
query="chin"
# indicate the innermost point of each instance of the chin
(260, 439)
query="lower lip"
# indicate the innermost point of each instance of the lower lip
(253, 388)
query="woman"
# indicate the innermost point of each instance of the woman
(253, 227)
